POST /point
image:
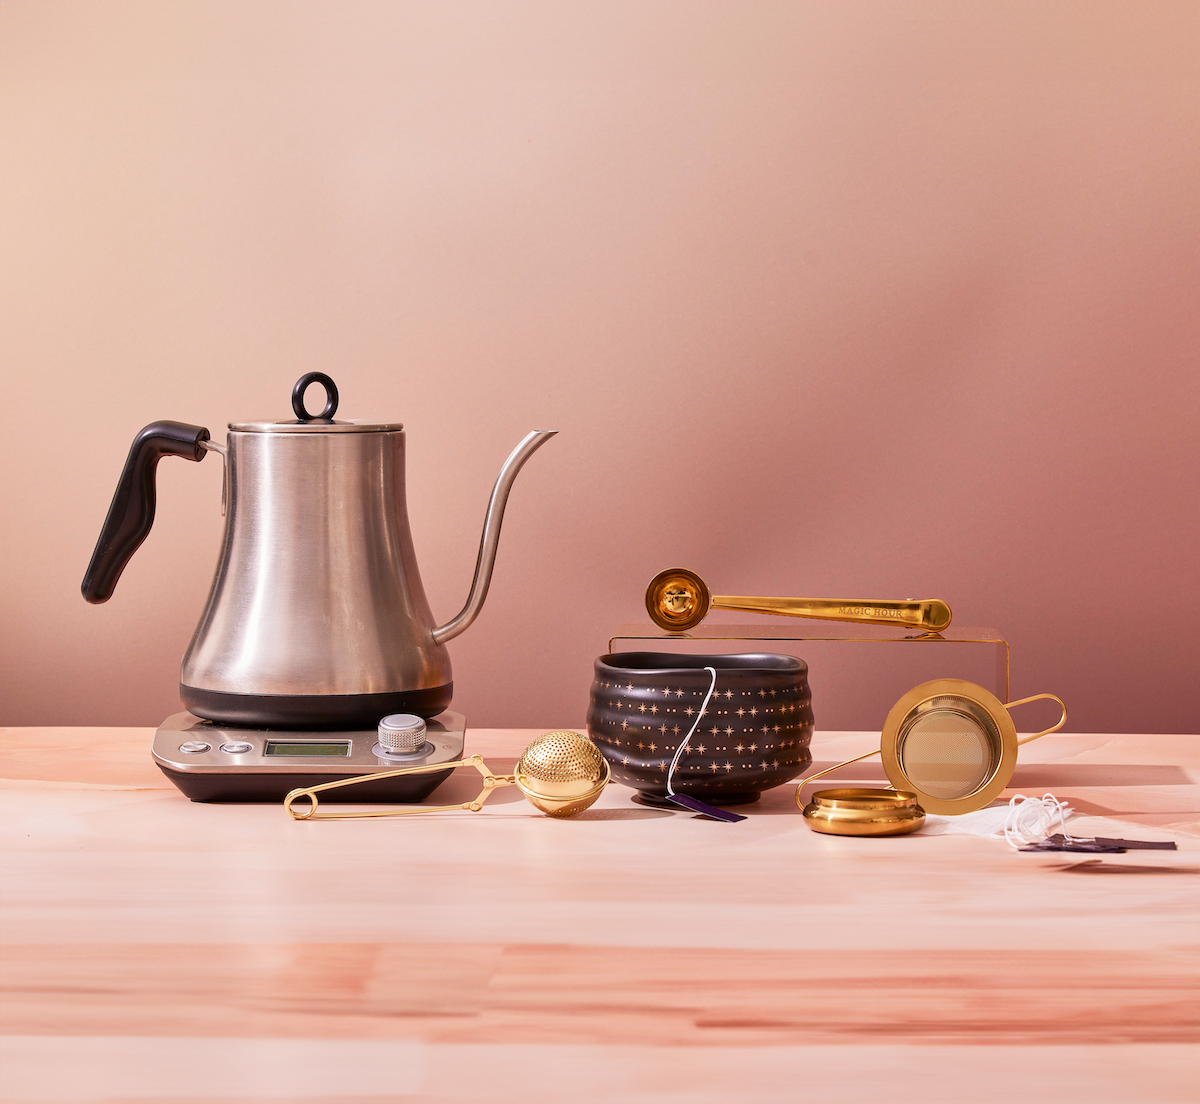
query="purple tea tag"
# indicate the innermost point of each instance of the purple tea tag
(1140, 845)
(1059, 842)
(700, 807)
(1088, 845)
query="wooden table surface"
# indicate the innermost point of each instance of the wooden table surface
(156, 949)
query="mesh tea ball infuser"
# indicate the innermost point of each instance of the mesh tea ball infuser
(948, 747)
(560, 774)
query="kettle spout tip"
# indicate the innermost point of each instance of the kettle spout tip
(491, 534)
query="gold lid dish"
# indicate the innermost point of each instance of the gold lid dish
(855, 811)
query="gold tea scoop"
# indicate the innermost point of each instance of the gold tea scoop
(560, 773)
(678, 599)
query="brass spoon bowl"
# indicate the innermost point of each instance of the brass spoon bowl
(678, 599)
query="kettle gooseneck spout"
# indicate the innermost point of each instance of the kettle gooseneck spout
(491, 535)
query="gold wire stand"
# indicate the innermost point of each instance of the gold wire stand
(824, 632)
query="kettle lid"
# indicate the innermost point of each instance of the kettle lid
(304, 422)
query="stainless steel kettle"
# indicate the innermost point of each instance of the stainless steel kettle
(317, 616)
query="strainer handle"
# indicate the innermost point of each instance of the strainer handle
(1046, 732)
(490, 782)
(813, 777)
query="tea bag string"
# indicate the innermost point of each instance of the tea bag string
(1030, 819)
(695, 724)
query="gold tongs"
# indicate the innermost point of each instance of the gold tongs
(678, 599)
(560, 773)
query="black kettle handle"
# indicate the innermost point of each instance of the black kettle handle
(132, 511)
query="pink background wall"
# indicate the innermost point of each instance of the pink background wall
(852, 299)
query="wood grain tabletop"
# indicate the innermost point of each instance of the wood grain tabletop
(157, 949)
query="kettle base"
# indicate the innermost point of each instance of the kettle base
(220, 763)
(313, 710)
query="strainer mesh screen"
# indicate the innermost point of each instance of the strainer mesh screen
(561, 757)
(948, 747)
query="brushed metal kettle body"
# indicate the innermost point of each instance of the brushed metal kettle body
(317, 615)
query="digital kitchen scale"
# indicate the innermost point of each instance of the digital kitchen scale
(215, 762)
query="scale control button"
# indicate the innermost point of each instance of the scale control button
(194, 747)
(237, 747)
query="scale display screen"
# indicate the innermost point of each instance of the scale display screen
(331, 749)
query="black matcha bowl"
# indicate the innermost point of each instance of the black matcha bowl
(754, 734)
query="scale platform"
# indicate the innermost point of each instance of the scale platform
(214, 762)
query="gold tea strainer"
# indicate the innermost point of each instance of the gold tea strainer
(678, 599)
(560, 773)
(948, 746)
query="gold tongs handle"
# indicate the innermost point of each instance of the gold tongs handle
(929, 614)
(491, 782)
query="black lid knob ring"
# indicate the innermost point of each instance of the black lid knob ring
(331, 397)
